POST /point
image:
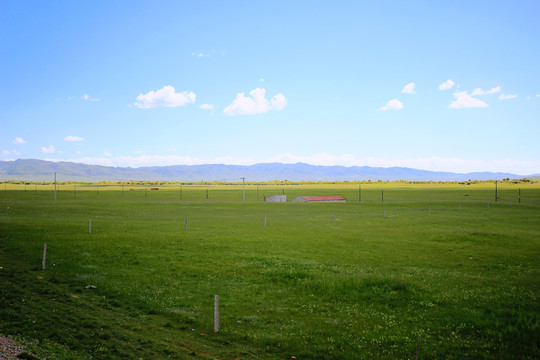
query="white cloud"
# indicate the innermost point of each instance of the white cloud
(48, 150)
(507, 96)
(447, 85)
(278, 102)
(106, 153)
(537, 95)
(434, 163)
(19, 140)
(464, 100)
(73, 138)
(157, 160)
(199, 54)
(409, 89)
(89, 98)
(479, 91)
(207, 106)
(164, 97)
(256, 104)
(12, 152)
(392, 105)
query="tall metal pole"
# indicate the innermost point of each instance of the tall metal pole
(54, 186)
(495, 190)
(243, 189)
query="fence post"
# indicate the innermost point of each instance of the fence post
(186, 223)
(44, 262)
(417, 347)
(216, 313)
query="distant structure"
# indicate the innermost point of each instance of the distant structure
(319, 199)
(276, 198)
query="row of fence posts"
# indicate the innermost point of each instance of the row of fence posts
(207, 193)
(243, 191)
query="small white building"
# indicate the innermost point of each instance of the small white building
(276, 198)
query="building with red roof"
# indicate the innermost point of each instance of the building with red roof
(319, 199)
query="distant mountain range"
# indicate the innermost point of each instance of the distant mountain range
(40, 170)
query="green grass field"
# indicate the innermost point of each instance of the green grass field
(354, 280)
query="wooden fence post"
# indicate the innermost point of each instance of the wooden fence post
(216, 313)
(44, 262)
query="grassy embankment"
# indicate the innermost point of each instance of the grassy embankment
(445, 262)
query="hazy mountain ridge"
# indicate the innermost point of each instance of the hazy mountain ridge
(31, 169)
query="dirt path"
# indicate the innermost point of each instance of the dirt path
(9, 350)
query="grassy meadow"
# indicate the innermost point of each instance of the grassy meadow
(442, 265)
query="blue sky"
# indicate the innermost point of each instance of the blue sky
(435, 85)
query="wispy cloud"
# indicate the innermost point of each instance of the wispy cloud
(207, 106)
(464, 100)
(48, 150)
(393, 104)
(201, 53)
(409, 88)
(19, 140)
(507, 96)
(106, 153)
(89, 98)
(256, 103)
(73, 138)
(479, 91)
(166, 96)
(8, 152)
(447, 85)
(434, 163)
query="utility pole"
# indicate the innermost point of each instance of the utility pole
(243, 189)
(54, 186)
(495, 190)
